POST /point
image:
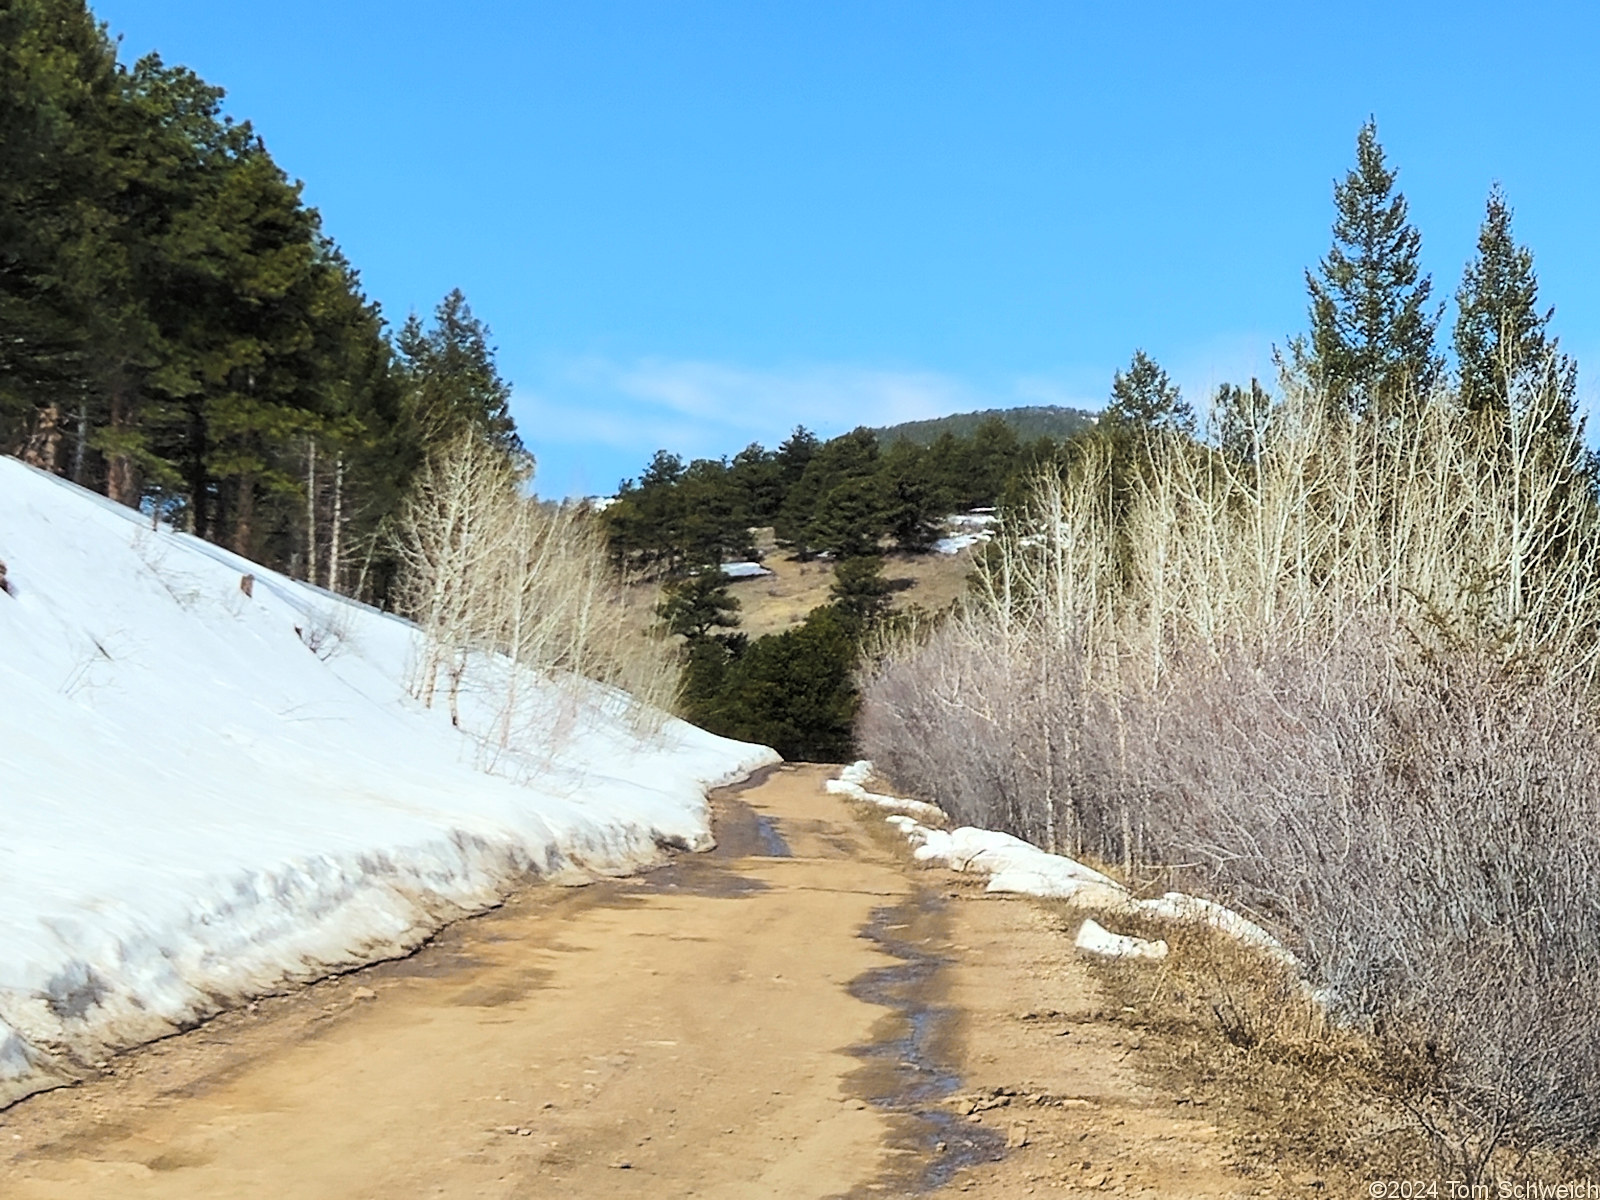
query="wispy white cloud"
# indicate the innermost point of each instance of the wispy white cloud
(730, 397)
(592, 420)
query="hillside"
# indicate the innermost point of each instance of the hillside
(781, 600)
(1028, 423)
(216, 781)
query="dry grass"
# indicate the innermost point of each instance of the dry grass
(1228, 1030)
(783, 600)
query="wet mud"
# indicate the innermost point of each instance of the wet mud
(907, 1069)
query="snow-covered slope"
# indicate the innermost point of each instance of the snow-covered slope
(204, 792)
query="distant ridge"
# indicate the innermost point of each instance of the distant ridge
(1032, 421)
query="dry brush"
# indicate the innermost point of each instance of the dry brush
(1345, 681)
(506, 590)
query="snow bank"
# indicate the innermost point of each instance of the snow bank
(212, 781)
(851, 783)
(1176, 906)
(1094, 938)
(1021, 868)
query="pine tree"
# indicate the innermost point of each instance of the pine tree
(1372, 333)
(849, 520)
(695, 607)
(453, 381)
(794, 691)
(178, 331)
(991, 453)
(849, 457)
(1242, 416)
(757, 478)
(913, 504)
(709, 526)
(58, 86)
(1144, 398)
(794, 454)
(860, 591)
(1502, 340)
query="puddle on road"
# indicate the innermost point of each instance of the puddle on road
(907, 1072)
(741, 832)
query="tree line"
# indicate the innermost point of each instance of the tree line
(843, 497)
(852, 498)
(1373, 341)
(178, 332)
(1371, 353)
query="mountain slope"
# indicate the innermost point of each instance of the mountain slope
(1029, 422)
(214, 780)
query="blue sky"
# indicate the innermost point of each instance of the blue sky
(697, 224)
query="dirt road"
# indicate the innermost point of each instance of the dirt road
(798, 1014)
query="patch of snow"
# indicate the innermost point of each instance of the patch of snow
(213, 781)
(745, 570)
(850, 783)
(966, 530)
(859, 772)
(1182, 908)
(1021, 868)
(956, 543)
(1094, 938)
(976, 519)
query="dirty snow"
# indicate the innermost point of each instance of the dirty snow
(210, 786)
(1094, 938)
(850, 782)
(1021, 868)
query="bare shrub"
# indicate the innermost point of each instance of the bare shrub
(325, 631)
(511, 588)
(1344, 683)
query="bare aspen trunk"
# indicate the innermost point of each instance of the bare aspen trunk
(43, 447)
(311, 510)
(336, 529)
(80, 445)
(122, 481)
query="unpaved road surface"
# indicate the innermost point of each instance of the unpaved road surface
(800, 1013)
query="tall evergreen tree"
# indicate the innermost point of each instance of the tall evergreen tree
(992, 453)
(178, 331)
(1502, 340)
(1372, 332)
(1144, 398)
(58, 86)
(452, 378)
(914, 505)
(849, 519)
(757, 478)
(860, 591)
(794, 454)
(852, 458)
(696, 606)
